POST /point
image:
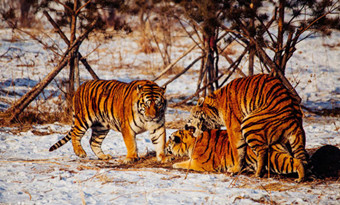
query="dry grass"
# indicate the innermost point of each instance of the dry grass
(148, 161)
(31, 117)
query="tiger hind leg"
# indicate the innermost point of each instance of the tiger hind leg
(261, 159)
(282, 162)
(237, 150)
(297, 143)
(99, 133)
(76, 134)
(257, 143)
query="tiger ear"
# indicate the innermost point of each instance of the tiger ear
(200, 101)
(163, 89)
(139, 88)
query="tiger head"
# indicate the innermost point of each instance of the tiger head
(151, 103)
(180, 143)
(204, 116)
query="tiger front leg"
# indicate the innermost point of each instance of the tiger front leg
(239, 160)
(238, 149)
(193, 165)
(131, 146)
(158, 138)
(260, 148)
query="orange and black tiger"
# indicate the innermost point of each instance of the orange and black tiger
(212, 151)
(130, 108)
(258, 111)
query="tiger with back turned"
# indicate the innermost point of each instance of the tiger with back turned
(212, 151)
(258, 111)
(130, 108)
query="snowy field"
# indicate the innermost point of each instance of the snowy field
(29, 174)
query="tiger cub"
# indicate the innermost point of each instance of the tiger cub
(257, 111)
(212, 151)
(129, 108)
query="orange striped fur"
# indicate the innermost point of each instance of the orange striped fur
(129, 108)
(212, 151)
(258, 111)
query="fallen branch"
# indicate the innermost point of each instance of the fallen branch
(13, 112)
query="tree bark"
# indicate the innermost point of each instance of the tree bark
(279, 42)
(72, 59)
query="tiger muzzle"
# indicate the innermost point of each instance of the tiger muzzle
(168, 151)
(190, 128)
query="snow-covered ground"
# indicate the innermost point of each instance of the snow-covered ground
(29, 174)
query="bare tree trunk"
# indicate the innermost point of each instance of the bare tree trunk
(73, 57)
(251, 60)
(205, 83)
(25, 6)
(279, 42)
(76, 72)
(252, 50)
(202, 71)
(211, 71)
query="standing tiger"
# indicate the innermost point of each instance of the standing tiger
(212, 151)
(130, 108)
(258, 111)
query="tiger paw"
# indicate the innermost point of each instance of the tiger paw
(129, 160)
(163, 159)
(105, 157)
(258, 173)
(80, 153)
(299, 180)
(178, 166)
(234, 170)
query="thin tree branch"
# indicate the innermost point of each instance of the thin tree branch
(190, 36)
(23, 102)
(65, 6)
(212, 81)
(182, 72)
(63, 36)
(80, 8)
(156, 41)
(267, 26)
(174, 63)
(46, 46)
